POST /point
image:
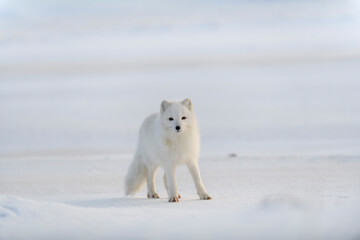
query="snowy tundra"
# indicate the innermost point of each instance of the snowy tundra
(166, 139)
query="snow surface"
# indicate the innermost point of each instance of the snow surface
(290, 196)
(275, 86)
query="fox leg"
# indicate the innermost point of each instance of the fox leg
(195, 173)
(170, 172)
(166, 186)
(151, 182)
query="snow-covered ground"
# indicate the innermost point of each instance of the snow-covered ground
(275, 86)
(81, 196)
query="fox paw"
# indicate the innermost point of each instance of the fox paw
(204, 196)
(173, 199)
(153, 195)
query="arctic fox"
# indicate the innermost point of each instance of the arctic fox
(166, 139)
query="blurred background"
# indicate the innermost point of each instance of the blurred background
(273, 76)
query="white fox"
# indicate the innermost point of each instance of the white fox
(166, 139)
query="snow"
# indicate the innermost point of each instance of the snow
(275, 85)
(254, 197)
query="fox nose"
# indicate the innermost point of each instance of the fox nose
(177, 128)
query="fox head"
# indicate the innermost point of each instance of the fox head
(177, 116)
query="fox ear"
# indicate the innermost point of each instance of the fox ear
(187, 102)
(164, 105)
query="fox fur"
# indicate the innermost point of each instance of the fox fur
(166, 139)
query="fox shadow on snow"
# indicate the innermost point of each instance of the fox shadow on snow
(123, 202)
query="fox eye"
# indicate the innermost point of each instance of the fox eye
(183, 118)
(171, 119)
